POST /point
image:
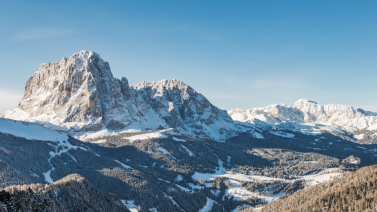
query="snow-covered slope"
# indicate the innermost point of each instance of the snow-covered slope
(308, 115)
(30, 131)
(184, 109)
(80, 94)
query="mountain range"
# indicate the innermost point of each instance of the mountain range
(162, 146)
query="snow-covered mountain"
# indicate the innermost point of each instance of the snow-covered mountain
(81, 94)
(156, 154)
(308, 116)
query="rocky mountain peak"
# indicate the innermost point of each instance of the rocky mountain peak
(80, 91)
(81, 94)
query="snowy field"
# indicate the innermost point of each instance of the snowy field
(30, 130)
(241, 193)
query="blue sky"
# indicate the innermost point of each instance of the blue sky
(239, 54)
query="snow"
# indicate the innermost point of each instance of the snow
(48, 175)
(164, 180)
(99, 141)
(124, 165)
(307, 117)
(146, 136)
(359, 137)
(166, 152)
(30, 131)
(183, 188)
(163, 150)
(33, 174)
(282, 134)
(257, 209)
(240, 193)
(174, 202)
(320, 177)
(208, 205)
(149, 104)
(100, 134)
(66, 147)
(179, 178)
(130, 205)
(200, 187)
(310, 162)
(73, 158)
(208, 176)
(354, 162)
(239, 208)
(178, 139)
(311, 133)
(257, 135)
(190, 153)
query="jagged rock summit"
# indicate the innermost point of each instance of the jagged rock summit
(81, 94)
(309, 115)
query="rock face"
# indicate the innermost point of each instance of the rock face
(305, 112)
(181, 106)
(81, 94)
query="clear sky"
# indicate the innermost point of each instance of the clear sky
(239, 54)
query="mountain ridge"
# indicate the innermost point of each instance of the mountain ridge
(308, 116)
(80, 94)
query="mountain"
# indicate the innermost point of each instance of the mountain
(307, 115)
(81, 94)
(162, 146)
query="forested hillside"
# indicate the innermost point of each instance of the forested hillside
(72, 193)
(355, 192)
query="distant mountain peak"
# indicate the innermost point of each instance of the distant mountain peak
(304, 113)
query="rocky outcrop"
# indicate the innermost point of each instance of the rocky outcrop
(181, 106)
(81, 94)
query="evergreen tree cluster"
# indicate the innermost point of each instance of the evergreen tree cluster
(355, 192)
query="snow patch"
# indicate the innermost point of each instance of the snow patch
(30, 131)
(179, 178)
(146, 136)
(359, 137)
(130, 205)
(208, 205)
(178, 139)
(282, 134)
(190, 153)
(124, 165)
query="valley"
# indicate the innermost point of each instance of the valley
(162, 146)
